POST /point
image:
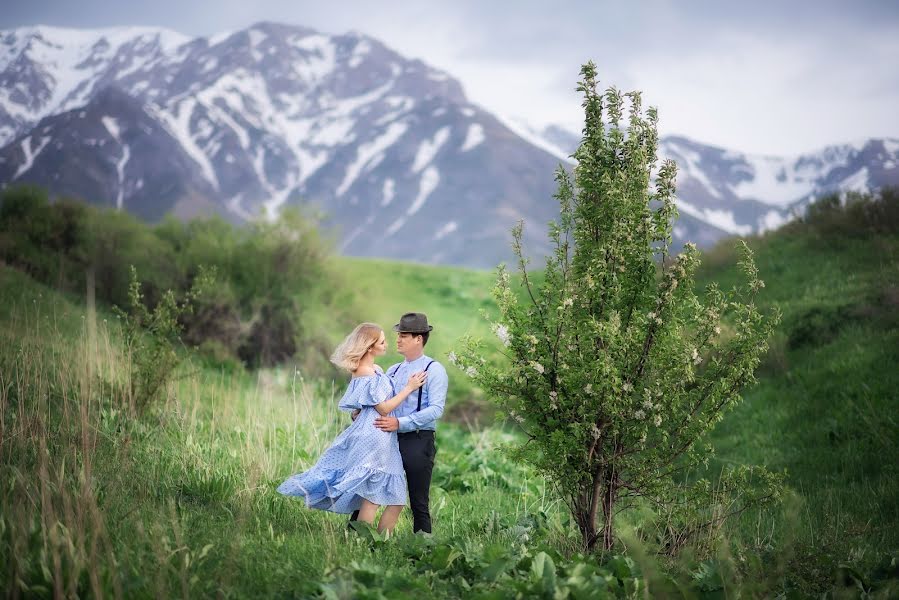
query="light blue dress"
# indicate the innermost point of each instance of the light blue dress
(363, 461)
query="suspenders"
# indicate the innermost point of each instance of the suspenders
(419, 389)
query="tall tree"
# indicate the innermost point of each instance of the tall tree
(614, 368)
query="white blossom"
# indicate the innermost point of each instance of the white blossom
(537, 367)
(595, 432)
(648, 405)
(471, 372)
(502, 332)
(696, 358)
(568, 302)
(627, 387)
(589, 388)
(640, 414)
(658, 420)
(453, 358)
(717, 330)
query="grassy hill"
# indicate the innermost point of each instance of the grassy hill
(826, 407)
(180, 502)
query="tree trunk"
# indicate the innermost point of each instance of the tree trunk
(603, 489)
(610, 494)
(587, 507)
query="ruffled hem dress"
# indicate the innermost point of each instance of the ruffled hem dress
(363, 461)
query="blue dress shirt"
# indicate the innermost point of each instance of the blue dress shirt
(433, 397)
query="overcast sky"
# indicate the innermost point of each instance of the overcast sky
(762, 77)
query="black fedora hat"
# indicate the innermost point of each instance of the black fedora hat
(413, 323)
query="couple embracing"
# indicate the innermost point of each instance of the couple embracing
(386, 455)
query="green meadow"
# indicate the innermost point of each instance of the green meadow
(180, 501)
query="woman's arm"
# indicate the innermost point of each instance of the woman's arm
(415, 381)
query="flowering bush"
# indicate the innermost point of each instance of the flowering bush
(615, 367)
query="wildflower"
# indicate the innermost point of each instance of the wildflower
(453, 358)
(471, 372)
(627, 388)
(502, 332)
(658, 420)
(537, 367)
(648, 405)
(640, 414)
(568, 302)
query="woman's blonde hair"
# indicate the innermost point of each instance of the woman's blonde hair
(351, 350)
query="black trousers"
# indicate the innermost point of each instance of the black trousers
(418, 451)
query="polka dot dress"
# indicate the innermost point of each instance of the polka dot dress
(363, 461)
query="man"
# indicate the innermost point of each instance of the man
(417, 416)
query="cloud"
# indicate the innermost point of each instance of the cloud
(766, 76)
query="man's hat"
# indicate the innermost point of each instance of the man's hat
(413, 323)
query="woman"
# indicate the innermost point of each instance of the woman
(362, 469)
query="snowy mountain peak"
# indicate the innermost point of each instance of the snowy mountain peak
(243, 123)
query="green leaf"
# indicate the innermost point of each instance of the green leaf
(543, 570)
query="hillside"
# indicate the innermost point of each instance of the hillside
(183, 495)
(826, 404)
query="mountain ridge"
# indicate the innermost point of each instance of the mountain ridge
(388, 148)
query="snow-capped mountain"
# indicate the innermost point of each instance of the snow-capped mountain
(390, 149)
(739, 194)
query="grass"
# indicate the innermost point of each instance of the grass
(181, 501)
(825, 407)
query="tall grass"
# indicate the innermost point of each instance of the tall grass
(97, 501)
(180, 501)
